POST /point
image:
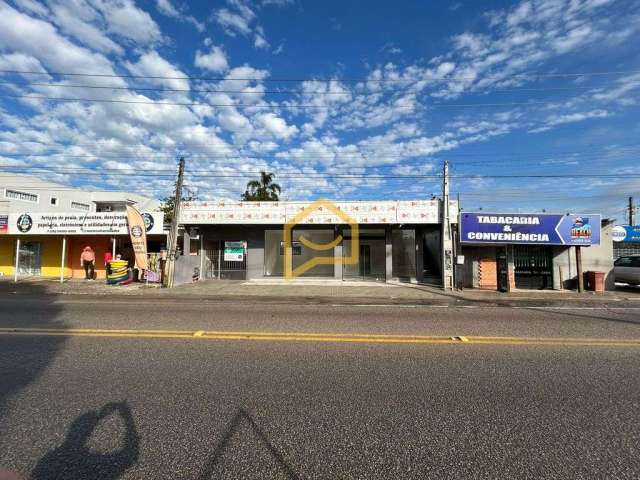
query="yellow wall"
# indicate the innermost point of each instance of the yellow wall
(7, 255)
(50, 255)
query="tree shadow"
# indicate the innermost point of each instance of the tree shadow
(240, 417)
(75, 460)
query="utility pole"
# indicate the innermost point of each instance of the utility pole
(579, 269)
(173, 233)
(632, 209)
(447, 238)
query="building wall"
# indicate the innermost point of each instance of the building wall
(7, 256)
(598, 258)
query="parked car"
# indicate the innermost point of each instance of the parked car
(627, 270)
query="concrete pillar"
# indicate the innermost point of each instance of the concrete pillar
(15, 274)
(63, 257)
(201, 254)
(186, 242)
(419, 236)
(337, 255)
(389, 253)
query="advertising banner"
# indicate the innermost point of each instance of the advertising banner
(4, 224)
(74, 223)
(138, 235)
(622, 233)
(233, 251)
(530, 228)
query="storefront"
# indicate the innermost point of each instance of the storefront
(506, 251)
(50, 244)
(372, 241)
(626, 240)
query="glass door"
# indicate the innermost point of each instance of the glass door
(29, 258)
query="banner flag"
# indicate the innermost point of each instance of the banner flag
(138, 234)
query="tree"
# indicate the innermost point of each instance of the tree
(263, 190)
(168, 204)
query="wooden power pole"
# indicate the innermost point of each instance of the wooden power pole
(173, 233)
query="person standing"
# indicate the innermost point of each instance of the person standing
(107, 258)
(88, 261)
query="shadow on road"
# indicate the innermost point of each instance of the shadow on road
(24, 359)
(75, 460)
(238, 419)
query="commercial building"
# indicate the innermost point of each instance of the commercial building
(626, 240)
(506, 251)
(44, 226)
(396, 240)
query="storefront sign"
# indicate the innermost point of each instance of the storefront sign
(626, 233)
(73, 223)
(280, 213)
(527, 228)
(4, 224)
(233, 251)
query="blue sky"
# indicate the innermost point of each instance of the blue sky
(346, 100)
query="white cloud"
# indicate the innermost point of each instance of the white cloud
(167, 8)
(276, 126)
(233, 22)
(151, 64)
(87, 33)
(259, 39)
(215, 60)
(125, 19)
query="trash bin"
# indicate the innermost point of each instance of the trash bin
(595, 281)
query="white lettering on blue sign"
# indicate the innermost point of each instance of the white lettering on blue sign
(508, 237)
(508, 220)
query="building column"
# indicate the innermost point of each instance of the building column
(15, 273)
(337, 255)
(63, 257)
(201, 254)
(388, 245)
(186, 242)
(419, 237)
(511, 267)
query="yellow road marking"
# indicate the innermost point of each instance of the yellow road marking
(320, 337)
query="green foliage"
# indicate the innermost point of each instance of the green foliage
(263, 190)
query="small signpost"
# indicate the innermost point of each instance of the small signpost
(233, 251)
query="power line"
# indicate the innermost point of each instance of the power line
(175, 90)
(298, 92)
(320, 80)
(282, 106)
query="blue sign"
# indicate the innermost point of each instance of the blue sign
(530, 228)
(626, 233)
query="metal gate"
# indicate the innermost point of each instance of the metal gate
(216, 267)
(533, 267)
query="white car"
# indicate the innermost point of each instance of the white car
(627, 270)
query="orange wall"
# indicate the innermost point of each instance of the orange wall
(99, 244)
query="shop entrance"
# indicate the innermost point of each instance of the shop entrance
(533, 267)
(372, 258)
(226, 260)
(29, 258)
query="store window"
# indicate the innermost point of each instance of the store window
(81, 206)
(319, 237)
(18, 195)
(273, 253)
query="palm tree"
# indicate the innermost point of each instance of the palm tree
(263, 190)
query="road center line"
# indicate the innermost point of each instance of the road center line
(200, 335)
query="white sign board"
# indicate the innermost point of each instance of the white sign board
(73, 223)
(279, 213)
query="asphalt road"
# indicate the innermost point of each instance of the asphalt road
(86, 407)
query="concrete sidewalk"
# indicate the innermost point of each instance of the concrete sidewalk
(317, 291)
